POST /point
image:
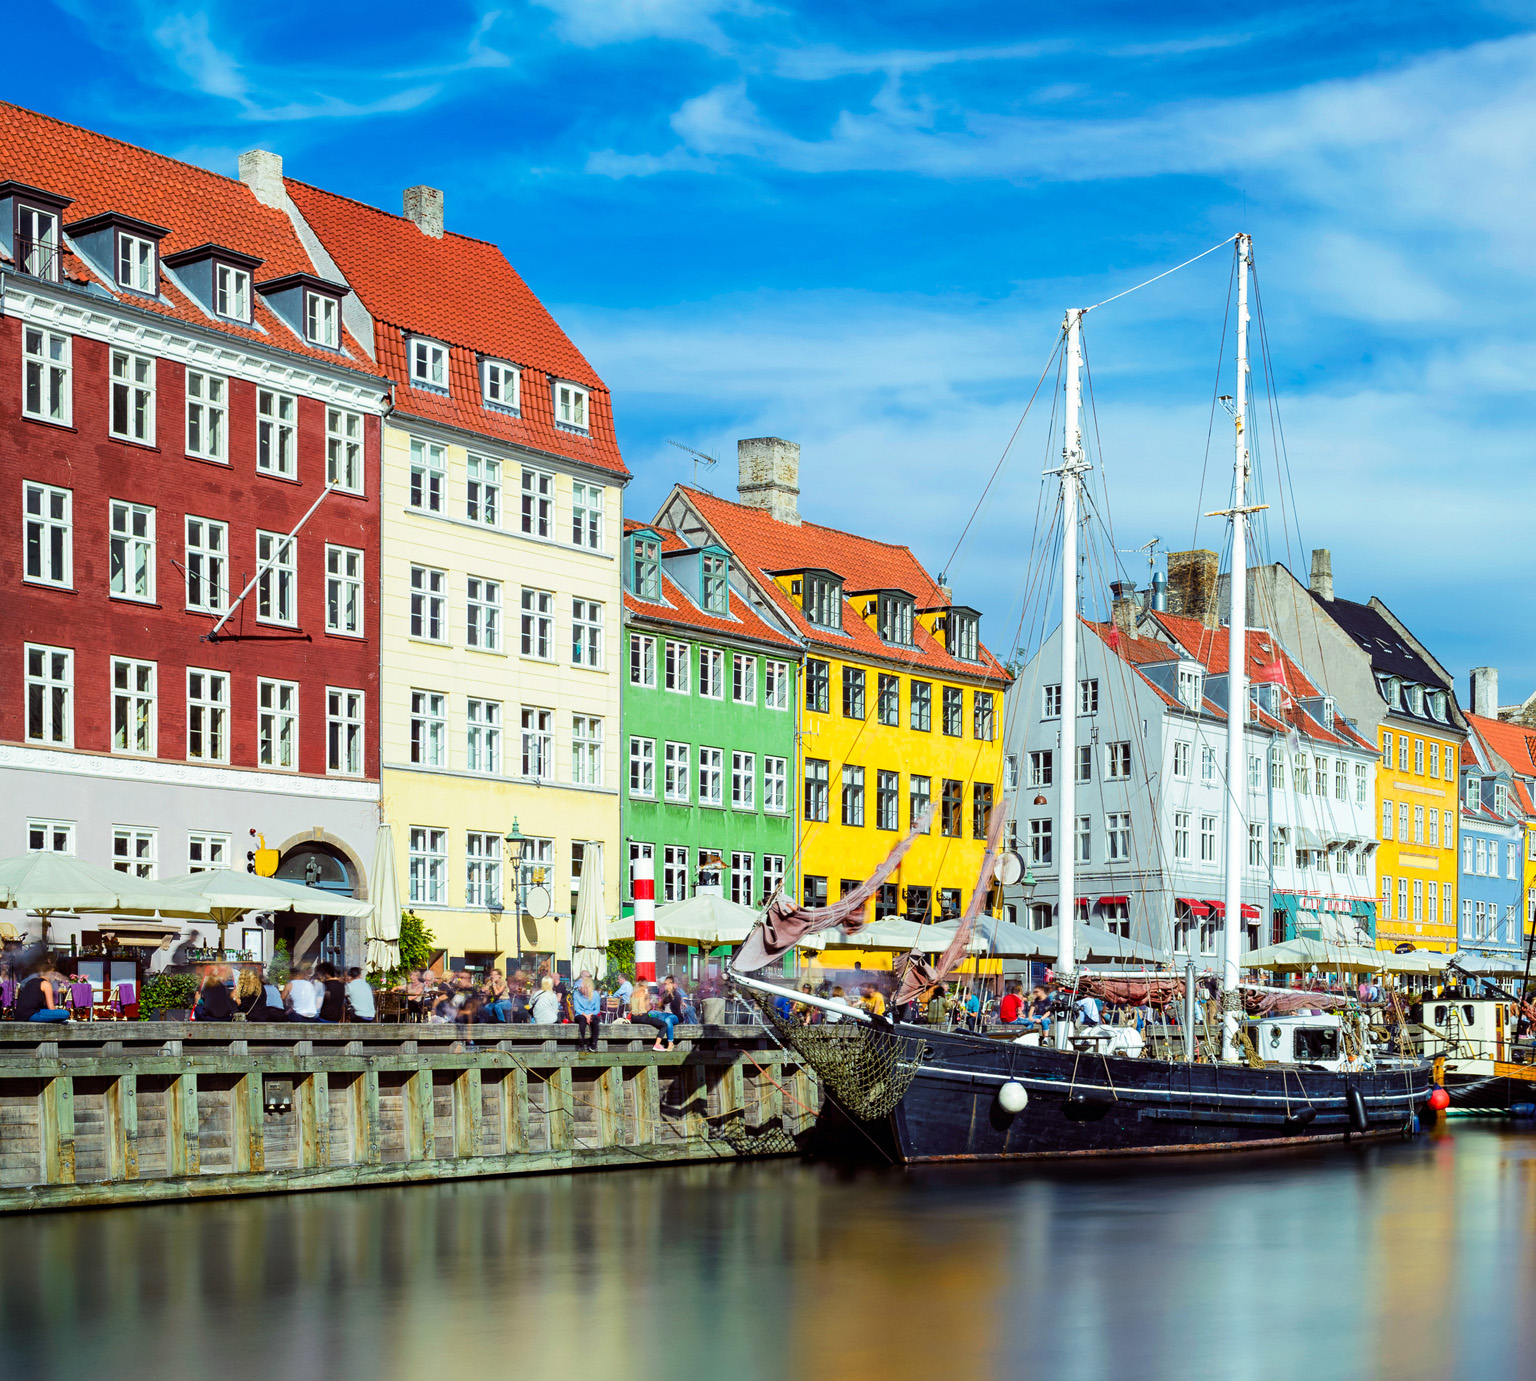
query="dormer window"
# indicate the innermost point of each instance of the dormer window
(1437, 705)
(1416, 699)
(322, 319)
(645, 566)
(429, 363)
(1474, 792)
(1191, 687)
(1328, 713)
(231, 292)
(37, 242)
(822, 599)
(136, 264)
(962, 634)
(716, 583)
(893, 614)
(571, 406)
(501, 384)
(1500, 798)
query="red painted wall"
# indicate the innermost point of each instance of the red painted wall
(85, 458)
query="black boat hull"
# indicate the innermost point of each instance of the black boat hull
(1091, 1105)
(1494, 1094)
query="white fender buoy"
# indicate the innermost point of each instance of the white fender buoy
(1012, 1097)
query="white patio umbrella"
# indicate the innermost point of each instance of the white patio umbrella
(383, 933)
(1093, 944)
(229, 895)
(1302, 954)
(707, 920)
(44, 883)
(589, 932)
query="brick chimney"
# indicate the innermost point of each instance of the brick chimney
(424, 205)
(262, 172)
(1124, 606)
(1321, 583)
(1485, 692)
(768, 476)
(1192, 577)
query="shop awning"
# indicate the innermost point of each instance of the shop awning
(1251, 912)
(1196, 907)
(1219, 907)
(1114, 901)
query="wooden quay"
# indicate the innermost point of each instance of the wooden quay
(97, 1113)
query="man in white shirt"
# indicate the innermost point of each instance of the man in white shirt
(359, 995)
(303, 996)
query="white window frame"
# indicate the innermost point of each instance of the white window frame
(744, 781)
(743, 679)
(642, 662)
(776, 786)
(277, 433)
(322, 319)
(573, 404)
(208, 850)
(429, 363)
(642, 767)
(712, 673)
(677, 773)
(483, 615)
(586, 633)
(47, 391)
(345, 732)
(429, 604)
(135, 701)
(427, 852)
(344, 568)
(674, 873)
(428, 492)
(52, 833)
(207, 405)
(1117, 837)
(776, 685)
(482, 868)
(587, 515)
(135, 850)
(482, 736)
(277, 725)
(344, 431)
(50, 694)
(48, 520)
(37, 253)
(277, 582)
(537, 624)
(536, 503)
(1119, 763)
(743, 877)
(678, 662)
(429, 728)
(1207, 838)
(586, 750)
(538, 727)
(132, 397)
(136, 264)
(501, 385)
(711, 777)
(482, 491)
(231, 292)
(207, 715)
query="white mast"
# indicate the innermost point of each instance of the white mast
(1237, 671)
(1072, 467)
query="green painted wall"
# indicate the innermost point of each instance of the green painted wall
(698, 721)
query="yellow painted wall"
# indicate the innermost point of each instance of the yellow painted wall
(453, 798)
(1411, 858)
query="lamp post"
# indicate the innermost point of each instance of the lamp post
(515, 842)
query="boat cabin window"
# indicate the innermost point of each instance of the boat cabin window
(1316, 1043)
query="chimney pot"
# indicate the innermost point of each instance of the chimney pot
(1485, 692)
(1192, 580)
(1321, 583)
(424, 206)
(768, 476)
(262, 172)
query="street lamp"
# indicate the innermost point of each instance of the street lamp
(516, 841)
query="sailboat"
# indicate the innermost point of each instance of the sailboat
(911, 1092)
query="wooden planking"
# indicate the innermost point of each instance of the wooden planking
(56, 1128)
(366, 1138)
(514, 1111)
(247, 1133)
(466, 1112)
(560, 1109)
(122, 1130)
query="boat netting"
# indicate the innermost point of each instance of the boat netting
(866, 1068)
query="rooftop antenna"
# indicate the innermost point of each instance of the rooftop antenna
(699, 458)
(1151, 548)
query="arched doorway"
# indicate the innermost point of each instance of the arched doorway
(315, 939)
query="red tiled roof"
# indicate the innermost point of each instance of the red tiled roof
(196, 206)
(676, 607)
(1515, 743)
(764, 544)
(463, 292)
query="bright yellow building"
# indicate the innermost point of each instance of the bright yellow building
(1418, 814)
(901, 705)
(500, 599)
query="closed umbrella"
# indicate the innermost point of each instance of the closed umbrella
(230, 895)
(383, 933)
(589, 934)
(44, 883)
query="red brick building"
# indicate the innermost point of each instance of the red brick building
(179, 393)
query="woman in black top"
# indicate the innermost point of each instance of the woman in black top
(38, 999)
(333, 1005)
(214, 1002)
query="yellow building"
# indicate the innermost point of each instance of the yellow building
(500, 599)
(901, 705)
(1418, 814)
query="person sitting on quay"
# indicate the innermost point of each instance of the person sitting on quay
(213, 1000)
(498, 997)
(588, 1005)
(333, 994)
(39, 998)
(360, 996)
(546, 1003)
(253, 997)
(624, 989)
(1037, 1015)
(1011, 1009)
(640, 1012)
(302, 995)
(675, 1001)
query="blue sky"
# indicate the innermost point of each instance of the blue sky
(857, 226)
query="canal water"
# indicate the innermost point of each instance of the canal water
(1403, 1261)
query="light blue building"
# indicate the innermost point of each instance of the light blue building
(1492, 853)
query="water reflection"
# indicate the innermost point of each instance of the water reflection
(1402, 1261)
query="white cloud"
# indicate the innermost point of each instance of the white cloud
(593, 23)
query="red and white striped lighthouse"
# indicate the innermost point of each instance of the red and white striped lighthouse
(644, 880)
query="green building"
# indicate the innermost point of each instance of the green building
(711, 707)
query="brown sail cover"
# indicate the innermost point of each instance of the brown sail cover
(917, 975)
(1153, 990)
(784, 924)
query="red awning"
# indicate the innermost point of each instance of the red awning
(1219, 907)
(1114, 901)
(1196, 908)
(1251, 913)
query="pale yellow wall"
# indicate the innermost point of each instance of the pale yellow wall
(455, 799)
